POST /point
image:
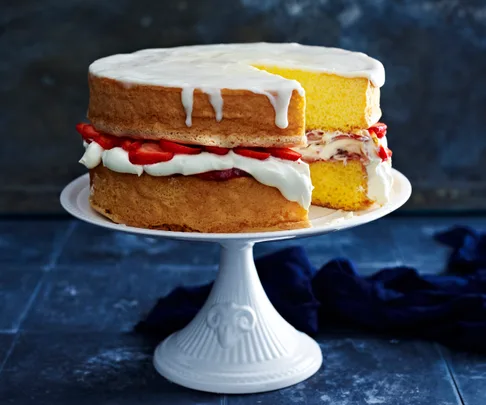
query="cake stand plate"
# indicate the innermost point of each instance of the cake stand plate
(238, 343)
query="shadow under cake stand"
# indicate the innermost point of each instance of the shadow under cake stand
(238, 343)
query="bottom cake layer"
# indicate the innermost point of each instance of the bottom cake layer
(187, 203)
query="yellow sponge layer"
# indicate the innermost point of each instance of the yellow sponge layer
(340, 186)
(334, 102)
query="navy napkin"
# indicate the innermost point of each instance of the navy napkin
(448, 308)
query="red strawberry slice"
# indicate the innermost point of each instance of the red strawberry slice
(285, 153)
(125, 144)
(128, 144)
(384, 153)
(379, 129)
(80, 126)
(252, 153)
(217, 150)
(87, 131)
(177, 148)
(90, 132)
(107, 141)
(221, 175)
(149, 153)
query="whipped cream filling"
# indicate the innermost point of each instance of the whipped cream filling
(341, 146)
(292, 179)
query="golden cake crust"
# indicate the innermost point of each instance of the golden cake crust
(156, 112)
(187, 203)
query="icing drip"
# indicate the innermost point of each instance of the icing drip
(216, 101)
(211, 68)
(187, 98)
(280, 104)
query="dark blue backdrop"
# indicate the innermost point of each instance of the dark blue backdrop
(433, 99)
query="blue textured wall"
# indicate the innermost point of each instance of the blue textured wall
(434, 98)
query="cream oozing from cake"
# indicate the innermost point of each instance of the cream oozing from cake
(291, 178)
(211, 68)
(341, 146)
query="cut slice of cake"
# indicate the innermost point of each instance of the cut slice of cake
(349, 171)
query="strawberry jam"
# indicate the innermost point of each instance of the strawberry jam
(222, 175)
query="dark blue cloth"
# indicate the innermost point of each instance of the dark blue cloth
(449, 308)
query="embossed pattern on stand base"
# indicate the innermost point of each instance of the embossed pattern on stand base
(237, 343)
(230, 321)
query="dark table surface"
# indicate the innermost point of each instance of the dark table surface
(70, 294)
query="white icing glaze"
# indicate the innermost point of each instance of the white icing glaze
(187, 98)
(216, 100)
(325, 147)
(281, 107)
(291, 178)
(211, 68)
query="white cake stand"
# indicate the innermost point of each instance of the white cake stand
(238, 343)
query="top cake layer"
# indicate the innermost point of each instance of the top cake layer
(228, 95)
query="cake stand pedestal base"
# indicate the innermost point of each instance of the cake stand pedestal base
(237, 343)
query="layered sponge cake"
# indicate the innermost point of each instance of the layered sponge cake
(235, 137)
